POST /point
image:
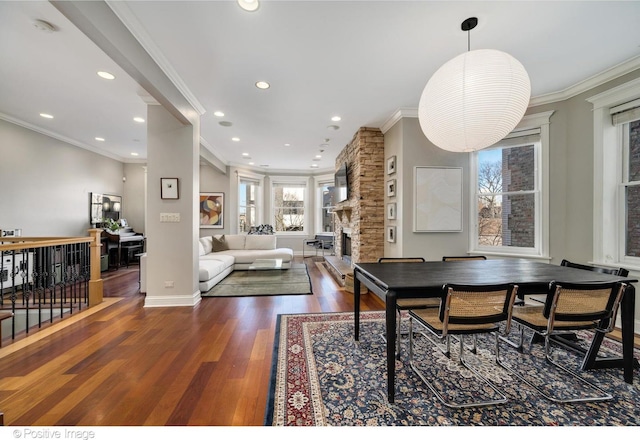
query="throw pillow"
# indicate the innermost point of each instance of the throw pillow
(219, 244)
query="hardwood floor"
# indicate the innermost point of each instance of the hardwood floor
(120, 364)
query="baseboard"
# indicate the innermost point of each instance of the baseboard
(173, 301)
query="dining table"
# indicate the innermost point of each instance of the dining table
(391, 281)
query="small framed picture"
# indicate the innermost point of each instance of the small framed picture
(391, 188)
(391, 234)
(391, 165)
(391, 211)
(169, 188)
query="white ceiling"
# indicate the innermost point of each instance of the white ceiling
(361, 60)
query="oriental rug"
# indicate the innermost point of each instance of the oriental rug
(322, 377)
(292, 281)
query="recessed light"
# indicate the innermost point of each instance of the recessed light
(225, 123)
(245, 154)
(235, 139)
(99, 139)
(249, 5)
(315, 165)
(318, 156)
(252, 163)
(46, 115)
(218, 114)
(263, 85)
(333, 127)
(138, 119)
(336, 118)
(106, 75)
(134, 154)
(287, 145)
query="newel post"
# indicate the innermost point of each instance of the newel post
(95, 283)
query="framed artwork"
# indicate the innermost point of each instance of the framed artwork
(438, 199)
(391, 165)
(391, 211)
(391, 234)
(391, 188)
(212, 210)
(169, 188)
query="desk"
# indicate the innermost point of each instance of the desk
(410, 280)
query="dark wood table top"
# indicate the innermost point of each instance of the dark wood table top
(433, 274)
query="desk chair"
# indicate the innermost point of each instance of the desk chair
(569, 307)
(465, 310)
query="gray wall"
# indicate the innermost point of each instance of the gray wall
(46, 183)
(407, 142)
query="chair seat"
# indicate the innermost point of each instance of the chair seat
(532, 316)
(417, 303)
(431, 318)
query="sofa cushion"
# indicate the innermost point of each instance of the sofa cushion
(210, 268)
(235, 241)
(260, 242)
(249, 256)
(219, 244)
(207, 244)
(201, 251)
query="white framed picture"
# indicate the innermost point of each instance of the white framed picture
(391, 165)
(438, 199)
(391, 234)
(391, 188)
(391, 211)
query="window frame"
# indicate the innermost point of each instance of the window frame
(539, 122)
(607, 208)
(624, 183)
(259, 180)
(319, 182)
(293, 180)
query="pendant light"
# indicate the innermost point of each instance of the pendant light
(475, 99)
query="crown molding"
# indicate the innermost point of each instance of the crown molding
(583, 86)
(123, 12)
(404, 112)
(60, 137)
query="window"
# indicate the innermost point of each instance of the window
(289, 205)
(509, 203)
(616, 116)
(628, 123)
(324, 204)
(248, 204)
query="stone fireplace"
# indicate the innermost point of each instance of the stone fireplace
(359, 221)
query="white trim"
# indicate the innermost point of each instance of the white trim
(173, 300)
(588, 84)
(299, 180)
(131, 22)
(396, 116)
(528, 124)
(606, 171)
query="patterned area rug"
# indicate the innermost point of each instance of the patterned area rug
(321, 377)
(293, 281)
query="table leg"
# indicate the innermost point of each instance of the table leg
(356, 306)
(628, 315)
(391, 344)
(628, 363)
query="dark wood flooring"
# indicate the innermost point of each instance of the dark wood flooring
(120, 364)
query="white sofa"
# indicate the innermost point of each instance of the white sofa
(242, 251)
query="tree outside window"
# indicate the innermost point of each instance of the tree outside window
(289, 208)
(506, 194)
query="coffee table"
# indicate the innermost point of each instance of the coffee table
(266, 264)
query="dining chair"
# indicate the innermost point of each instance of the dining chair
(464, 258)
(569, 339)
(608, 270)
(569, 307)
(408, 303)
(465, 310)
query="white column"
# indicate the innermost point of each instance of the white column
(172, 249)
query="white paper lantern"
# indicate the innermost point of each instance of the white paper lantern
(474, 100)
